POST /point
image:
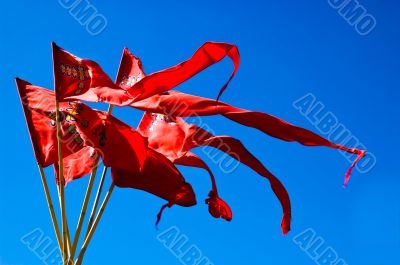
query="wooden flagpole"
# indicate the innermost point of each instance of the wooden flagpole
(96, 200)
(84, 207)
(61, 187)
(51, 208)
(90, 229)
(93, 227)
(99, 189)
(68, 238)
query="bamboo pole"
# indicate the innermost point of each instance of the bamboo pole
(93, 227)
(99, 190)
(96, 201)
(68, 238)
(61, 187)
(68, 242)
(90, 229)
(84, 208)
(51, 208)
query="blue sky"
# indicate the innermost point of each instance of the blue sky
(288, 49)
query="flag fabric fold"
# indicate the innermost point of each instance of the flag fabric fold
(160, 177)
(83, 79)
(145, 158)
(77, 165)
(117, 143)
(74, 76)
(208, 54)
(178, 104)
(217, 207)
(174, 138)
(39, 109)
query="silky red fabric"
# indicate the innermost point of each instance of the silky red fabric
(74, 76)
(174, 138)
(118, 144)
(77, 165)
(130, 70)
(39, 109)
(160, 177)
(208, 54)
(175, 103)
(83, 79)
(217, 207)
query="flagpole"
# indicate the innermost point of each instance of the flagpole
(93, 227)
(50, 206)
(103, 175)
(90, 229)
(99, 189)
(84, 208)
(61, 187)
(96, 200)
(68, 240)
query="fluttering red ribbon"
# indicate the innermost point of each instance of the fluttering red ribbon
(83, 79)
(178, 104)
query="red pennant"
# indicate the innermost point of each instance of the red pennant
(117, 143)
(130, 70)
(174, 138)
(216, 206)
(77, 165)
(39, 109)
(74, 76)
(160, 177)
(176, 104)
(83, 79)
(208, 54)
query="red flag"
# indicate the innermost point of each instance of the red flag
(208, 54)
(238, 151)
(129, 73)
(77, 165)
(39, 109)
(216, 206)
(174, 138)
(83, 79)
(74, 76)
(130, 70)
(160, 177)
(175, 104)
(117, 143)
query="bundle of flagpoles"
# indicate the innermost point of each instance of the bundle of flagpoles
(68, 248)
(169, 138)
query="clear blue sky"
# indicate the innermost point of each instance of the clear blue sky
(288, 49)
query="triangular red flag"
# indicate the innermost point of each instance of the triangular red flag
(83, 79)
(160, 177)
(117, 143)
(174, 138)
(39, 109)
(178, 104)
(217, 207)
